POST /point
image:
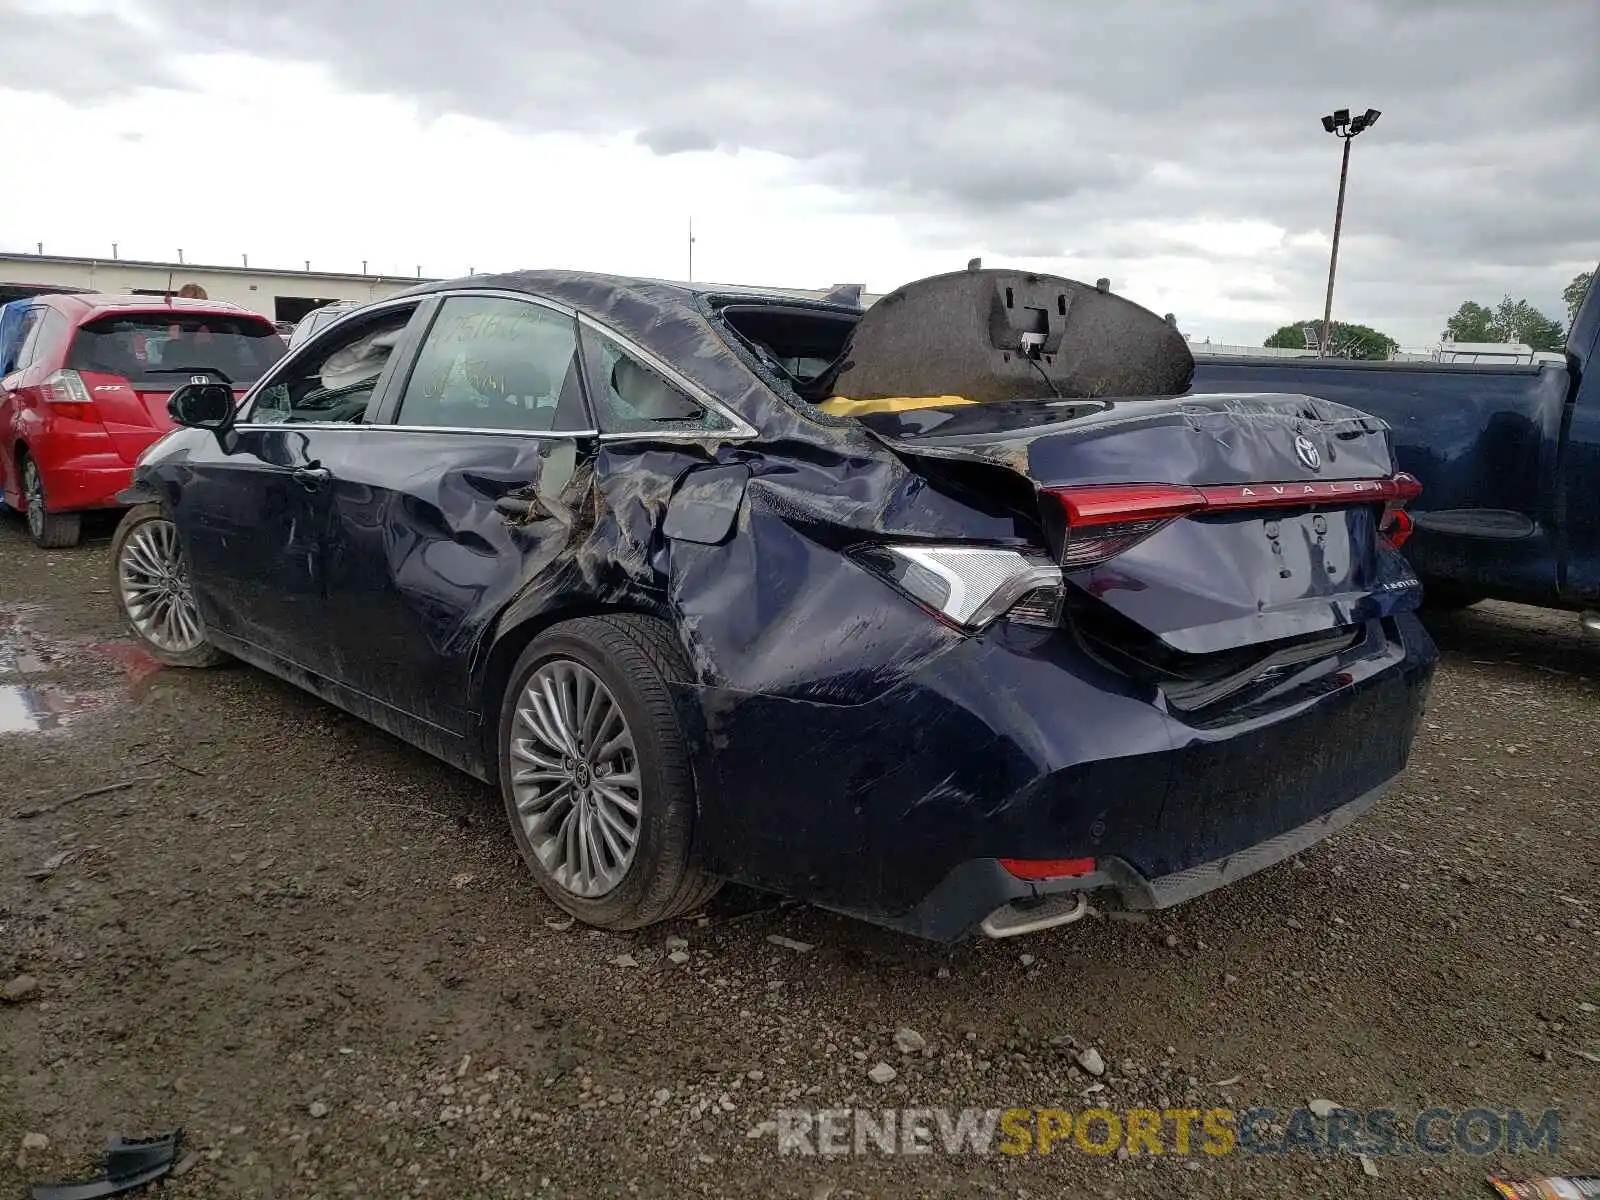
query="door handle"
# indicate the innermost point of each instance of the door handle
(311, 478)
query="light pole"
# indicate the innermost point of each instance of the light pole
(1344, 127)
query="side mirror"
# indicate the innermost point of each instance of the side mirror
(202, 406)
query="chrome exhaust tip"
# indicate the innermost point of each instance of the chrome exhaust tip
(1031, 916)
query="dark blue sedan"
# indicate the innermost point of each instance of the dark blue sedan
(897, 612)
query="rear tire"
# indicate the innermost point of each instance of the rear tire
(149, 578)
(50, 531)
(569, 810)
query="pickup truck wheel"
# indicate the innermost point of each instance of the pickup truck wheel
(594, 772)
(150, 579)
(50, 531)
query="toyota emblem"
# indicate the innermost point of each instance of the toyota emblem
(1307, 453)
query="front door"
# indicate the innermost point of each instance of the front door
(253, 517)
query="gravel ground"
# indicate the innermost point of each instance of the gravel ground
(316, 950)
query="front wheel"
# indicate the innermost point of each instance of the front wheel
(151, 580)
(50, 531)
(595, 773)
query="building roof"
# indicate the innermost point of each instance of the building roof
(72, 260)
(107, 302)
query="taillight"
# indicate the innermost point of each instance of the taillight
(1048, 868)
(1103, 521)
(1396, 525)
(68, 396)
(971, 586)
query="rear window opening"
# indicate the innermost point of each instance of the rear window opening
(157, 350)
(799, 344)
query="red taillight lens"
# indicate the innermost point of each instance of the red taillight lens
(1104, 521)
(1048, 868)
(1396, 524)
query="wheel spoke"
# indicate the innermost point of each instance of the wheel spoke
(140, 558)
(155, 589)
(622, 741)
(545, 801)
(614, 829)
(538, 775)
(581, 823)
(619, 799)
(533, 716)
(599, 711)
(567, 694)
(524, 751)
(552, 708)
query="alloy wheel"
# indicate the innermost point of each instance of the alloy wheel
(155, 588)
(574, 773)
(33, 497)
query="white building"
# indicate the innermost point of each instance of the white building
(281, 295)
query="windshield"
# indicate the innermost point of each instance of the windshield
(154, 350)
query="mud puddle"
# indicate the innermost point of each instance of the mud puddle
(49, 681)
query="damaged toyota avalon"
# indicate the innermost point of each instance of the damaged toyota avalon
(947, 614)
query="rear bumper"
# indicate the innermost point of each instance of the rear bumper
(979, 889)
(85, 482)
(1017, 745)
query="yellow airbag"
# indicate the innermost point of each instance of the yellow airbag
(843, 406)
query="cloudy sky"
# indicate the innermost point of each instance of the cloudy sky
(1174, 147)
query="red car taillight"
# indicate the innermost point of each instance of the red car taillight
(68, 396)
(1395, 527)
(1105, 520)
(1048, 868)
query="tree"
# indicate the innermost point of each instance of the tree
(1514, 321)
(1519, 321)
(1574, 293)
(1349, 341)
(1472, 323)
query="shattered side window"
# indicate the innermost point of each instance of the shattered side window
(631, 397)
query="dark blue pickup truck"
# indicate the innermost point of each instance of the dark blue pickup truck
(1508, 456)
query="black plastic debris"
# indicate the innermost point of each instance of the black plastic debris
(130, 1163)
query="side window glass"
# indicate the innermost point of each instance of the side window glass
(23, 339)
(332, 381)
(632, 397)
(46, 338)
(494, 363)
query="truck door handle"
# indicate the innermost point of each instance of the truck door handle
(311, 478)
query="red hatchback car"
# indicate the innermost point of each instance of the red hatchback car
(84, 381)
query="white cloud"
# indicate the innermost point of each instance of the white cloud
(1172, 149)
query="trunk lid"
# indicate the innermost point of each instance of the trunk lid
(1265, 512)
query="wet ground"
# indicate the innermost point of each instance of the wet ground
(314, 948)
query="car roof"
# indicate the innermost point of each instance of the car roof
(88, 305)
(668, 319)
